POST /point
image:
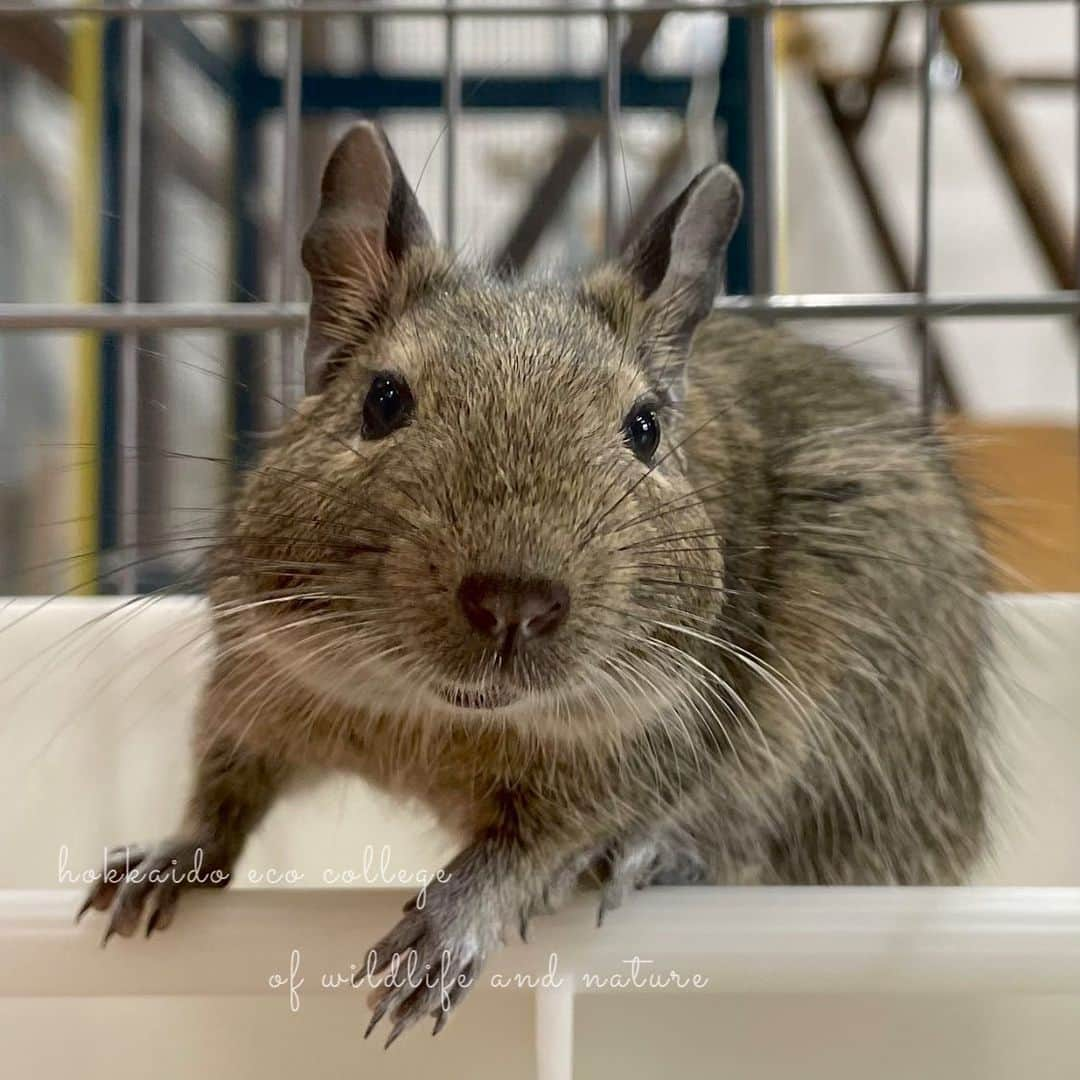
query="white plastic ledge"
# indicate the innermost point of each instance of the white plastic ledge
(973, 940)
(746, 940)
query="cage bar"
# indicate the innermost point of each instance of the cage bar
(762, 154)
(254, 316)
(612, 105)
(564, 9)
(927, 373)
(1076, 224)
(128, 457)
(452, 111)
(291, 377)
(613, 90)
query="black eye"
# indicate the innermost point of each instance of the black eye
(641, 430)
(389, 405)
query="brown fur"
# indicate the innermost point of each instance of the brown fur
(773, 665)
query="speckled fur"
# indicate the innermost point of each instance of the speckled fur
(773, 666)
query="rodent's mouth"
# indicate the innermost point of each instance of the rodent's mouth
(493, 698)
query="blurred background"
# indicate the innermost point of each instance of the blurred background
(145, 160)
(175, 188)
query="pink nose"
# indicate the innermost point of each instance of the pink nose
(512, 612)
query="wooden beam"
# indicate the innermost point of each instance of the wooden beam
(551, 191)
(1010, 145)
(846, 129)
(42, 45)
(38, 43)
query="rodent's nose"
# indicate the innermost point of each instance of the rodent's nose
(511, 611)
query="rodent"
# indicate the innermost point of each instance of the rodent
(619, 586)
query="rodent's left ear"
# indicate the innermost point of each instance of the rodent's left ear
(368, 221)
(678, 260)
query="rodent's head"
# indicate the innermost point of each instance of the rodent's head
(474, 510)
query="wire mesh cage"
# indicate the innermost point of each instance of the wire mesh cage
(240, 101)
(159, 165)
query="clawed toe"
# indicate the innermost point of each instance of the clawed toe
(422, 968)
(118, 865)
(134, 881)
(632, 866)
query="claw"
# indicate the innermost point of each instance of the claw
(373, 964)
(164, 910)
(441, 1016)
(87, 904)
(610, 900)
(377, 1015)
(127, 887)
(410, 1010)
(398, 1028)
(412, 951)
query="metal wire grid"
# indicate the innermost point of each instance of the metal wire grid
(287, 312)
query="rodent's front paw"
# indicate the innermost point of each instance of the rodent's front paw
(427, 963)
(133, 877)
(646, 860)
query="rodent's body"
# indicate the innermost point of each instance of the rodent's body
(615, 588)
(846, 540)
(862, 580)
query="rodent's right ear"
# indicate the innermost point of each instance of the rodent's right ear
(678, 260)
(368, 221)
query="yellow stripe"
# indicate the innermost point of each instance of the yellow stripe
(786, 43)
(86, 91)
